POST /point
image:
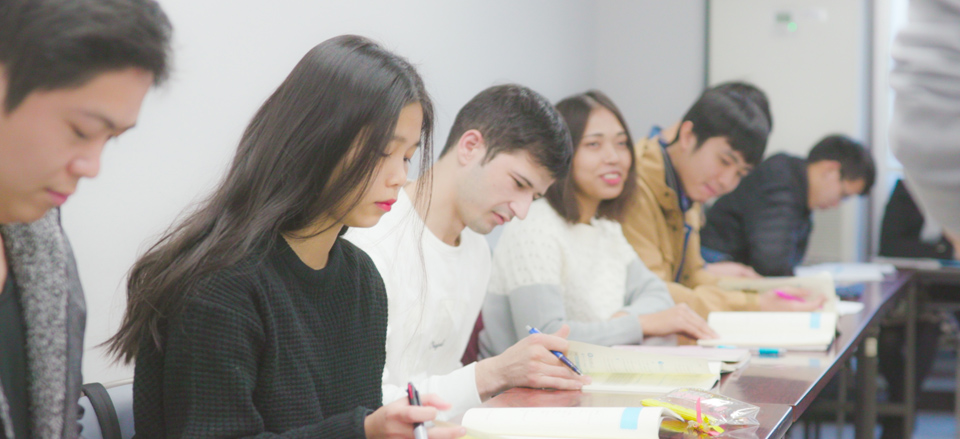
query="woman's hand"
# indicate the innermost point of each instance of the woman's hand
(396, 420)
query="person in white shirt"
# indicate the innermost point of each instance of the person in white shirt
(506, 146)
(569, 262)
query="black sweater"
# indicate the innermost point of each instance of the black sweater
(765, 223)
(901, 228)
(269, 348)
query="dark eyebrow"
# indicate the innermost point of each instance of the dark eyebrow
(528, 183)
(525, 180)
(733, 156)
(110, 124)
(404, 139)
(736, 159)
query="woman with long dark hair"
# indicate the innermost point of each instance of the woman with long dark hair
(568, 261)
(251, 317)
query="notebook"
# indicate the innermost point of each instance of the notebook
(730, 359)
(804, 331)
(821, 283)
(625, 371)
(849, 272)
(566, 422)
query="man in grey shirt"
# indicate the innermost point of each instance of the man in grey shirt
(925, 130)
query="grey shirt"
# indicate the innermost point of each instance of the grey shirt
(925, 129)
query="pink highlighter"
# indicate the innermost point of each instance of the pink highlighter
(788, 296)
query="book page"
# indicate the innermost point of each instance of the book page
(651, 383)
(594, 359)
(709, 354)
(567, 422)
(849, 272)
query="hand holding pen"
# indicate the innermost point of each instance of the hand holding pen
(413, 397)
(530, 362)
(559, 354)
(400, 418)
(790, 299)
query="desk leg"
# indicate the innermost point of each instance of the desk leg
(910, 363)
(866, 415)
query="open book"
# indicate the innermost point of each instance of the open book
(817, 283)
(849, 272)
(566, 422)
(805, 331)
(730, 359)
(624, 371)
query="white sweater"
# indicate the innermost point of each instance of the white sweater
(547, 272)
(433, 304)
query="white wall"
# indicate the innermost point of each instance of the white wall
(650, 58)
(816, 78)
(231, 55)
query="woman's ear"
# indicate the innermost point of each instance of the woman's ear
(471, 147)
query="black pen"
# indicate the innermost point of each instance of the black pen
(413, 397)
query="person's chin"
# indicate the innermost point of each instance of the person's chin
(482, 229)
(365, 221)
(22, 216)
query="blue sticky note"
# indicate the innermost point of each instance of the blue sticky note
(630, 418)
(815, 320)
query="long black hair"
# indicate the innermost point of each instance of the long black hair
(576, 111)
(337, 109)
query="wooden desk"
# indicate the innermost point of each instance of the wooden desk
(782, 387)
(775, 419)
(797, 378)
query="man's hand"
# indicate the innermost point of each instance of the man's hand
(529, 363)
(677, 320)
(771, 301)
(955, 241)
(731, 269)
(396, 420)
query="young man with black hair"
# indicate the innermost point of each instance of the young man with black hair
(73, 75)
(766, 222)
(506, 147)
(717, 143)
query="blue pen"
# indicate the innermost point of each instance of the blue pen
(559, 354)
(771, 352)
(763, 352)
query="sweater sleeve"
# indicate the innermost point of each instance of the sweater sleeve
(528, 271)
(542, 306)
(646, 293)
(210, 375)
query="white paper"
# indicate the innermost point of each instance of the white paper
(601, 359)
(568, 422)
(847, 307)
(849, 272)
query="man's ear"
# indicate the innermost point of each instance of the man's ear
(686, 137)
(470, 147)
(3, 90)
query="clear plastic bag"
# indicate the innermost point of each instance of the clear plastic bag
(708, 414)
